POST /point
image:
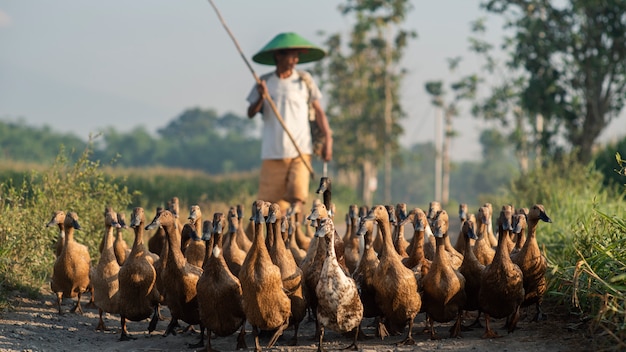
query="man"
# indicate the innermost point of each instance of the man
(284, 177)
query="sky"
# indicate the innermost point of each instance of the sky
(82, 66)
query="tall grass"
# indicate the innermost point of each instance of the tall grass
(25, 242)
(585, 244)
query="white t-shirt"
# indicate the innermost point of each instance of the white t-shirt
(291, 97)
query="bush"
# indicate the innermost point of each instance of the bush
(26, 245)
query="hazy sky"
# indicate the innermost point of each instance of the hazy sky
(80, 66)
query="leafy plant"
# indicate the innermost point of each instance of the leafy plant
(25, 243)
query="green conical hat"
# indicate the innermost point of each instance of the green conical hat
(289, 40)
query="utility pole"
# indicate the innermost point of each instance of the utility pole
(445, 189)
(438, 154)
(388, 124)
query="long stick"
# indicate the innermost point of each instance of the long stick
(265, 96)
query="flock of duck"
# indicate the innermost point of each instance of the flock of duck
(221, 273)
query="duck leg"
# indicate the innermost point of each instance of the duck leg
(354, 346)
(255, 332)
(241, 338)
(201, 342)
(408, 340)
(475, 324)
(101, 326)
(433, 332)
(154, 320)
(91, 304)
(489, 334)
(125, 336)
(321, 340)
(277, 334)
(171, 327)
(514, 318)
(77, 308)
(59, 299)
(540, 315)
(294, 339)
(455, 330)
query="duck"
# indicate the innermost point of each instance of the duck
(471, 269)
(430, 244)
(195, 247)
(339, 312)
(501, 290)
(463, 216)
(137, 281)
(313, 262)
(508, 210)
(519, 229)
(416, 260)
(364, 273)
(399, 241)
(533, 263)
(265, 302)
(482, 247)
(298, 253)
(242, 239)
(157, 240)
(70, 275)
(351, 248)
(395, 285)
(291, 274)
(232, 254)
(219, 291)
(120, 247)
(443, 287)
(58, 217)
(179, 278)
(492, 238)
(393, 222)
(105, 277)
(325, 188)
(456, 258)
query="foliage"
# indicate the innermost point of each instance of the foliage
(196, 139)
(25, 243)
(19, 141)
(605, 162)
(572, 57)
(585, 242)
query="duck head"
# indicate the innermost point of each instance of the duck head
(164, 218)
(194, 213)
(71, 220)
(137, 217)
(469, 227)
(440, 224)
(463, 211)
(537, 212)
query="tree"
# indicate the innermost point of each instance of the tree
(362, 87)
(572, 56)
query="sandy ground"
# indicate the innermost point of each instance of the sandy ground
(35, 325)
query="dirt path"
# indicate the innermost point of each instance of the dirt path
(34, 325)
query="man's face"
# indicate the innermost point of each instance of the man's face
(287, 58)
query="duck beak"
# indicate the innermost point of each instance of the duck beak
(321, 231)
(315, 214)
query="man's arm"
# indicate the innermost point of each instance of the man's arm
(255, 107)
(322, 123)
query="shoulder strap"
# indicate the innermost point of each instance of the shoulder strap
(306, 78)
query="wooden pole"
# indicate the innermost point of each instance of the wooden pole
(265, 96)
